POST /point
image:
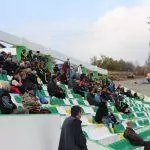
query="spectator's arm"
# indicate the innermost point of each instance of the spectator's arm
(133, 136)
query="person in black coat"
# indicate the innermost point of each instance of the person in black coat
(72, 137)
(101, 112)
(6, 104)
(54, 90)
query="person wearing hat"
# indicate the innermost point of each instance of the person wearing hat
(134, 138)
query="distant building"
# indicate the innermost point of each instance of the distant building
(2, 46)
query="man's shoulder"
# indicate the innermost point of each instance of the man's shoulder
(73, 120)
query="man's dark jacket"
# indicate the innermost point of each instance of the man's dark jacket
(132, 137)
(6, 107)
(101, 112)
(72, 137)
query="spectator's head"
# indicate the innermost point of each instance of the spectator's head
(30, 52)
(31, 89)
(97, 90)
(91, 90)
(80, 65)
(135, 95)
(23, 75)
(38, 52)
(76, 112)
(23, 51)
(5, 86)
(16, 74)
(129, 124)
(54, 78)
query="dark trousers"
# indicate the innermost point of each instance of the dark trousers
(60, 95)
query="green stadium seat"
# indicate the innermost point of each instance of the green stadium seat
(44, 87)
(122, 145)
(76, 95)
(57, 101)
(135, 108)
(3, 77)
(146, 122)
(52, 109)
(131, 116)
(70, 96)
(119, 128)
(124, 116)
(143, 122)
(95, 109)
(140, 115)
(67, 102)
(18, 98)
(135, 126)
(140, 122)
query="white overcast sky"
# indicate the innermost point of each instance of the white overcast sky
(119, 32)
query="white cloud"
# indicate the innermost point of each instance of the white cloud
(120, 33)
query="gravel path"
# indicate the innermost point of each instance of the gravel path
(137, 86)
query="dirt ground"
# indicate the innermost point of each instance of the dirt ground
(136, 85)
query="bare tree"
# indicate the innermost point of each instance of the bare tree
(147, 62)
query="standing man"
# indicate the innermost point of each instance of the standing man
(72, 137)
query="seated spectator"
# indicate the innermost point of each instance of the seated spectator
(129, 94)
(82, 84)
(29, 55)
(6, 104)
(54, 89)
(121, 106)
(56, 69)
(32, 78)
(30, 101)
(23, 55)
(79, 70)
(136, 96)
(106, 94)
(91, 97)
(41, 74)
(16, 84)
(9, 66)
(63, 78)
(134, 138)
(98, 95)
(102, 115)
(76, 87)
(110, 86)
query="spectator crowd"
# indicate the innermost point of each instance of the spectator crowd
(30, 73)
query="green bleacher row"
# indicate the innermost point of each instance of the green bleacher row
(140, 110)
(125, 145)
(62, 107)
